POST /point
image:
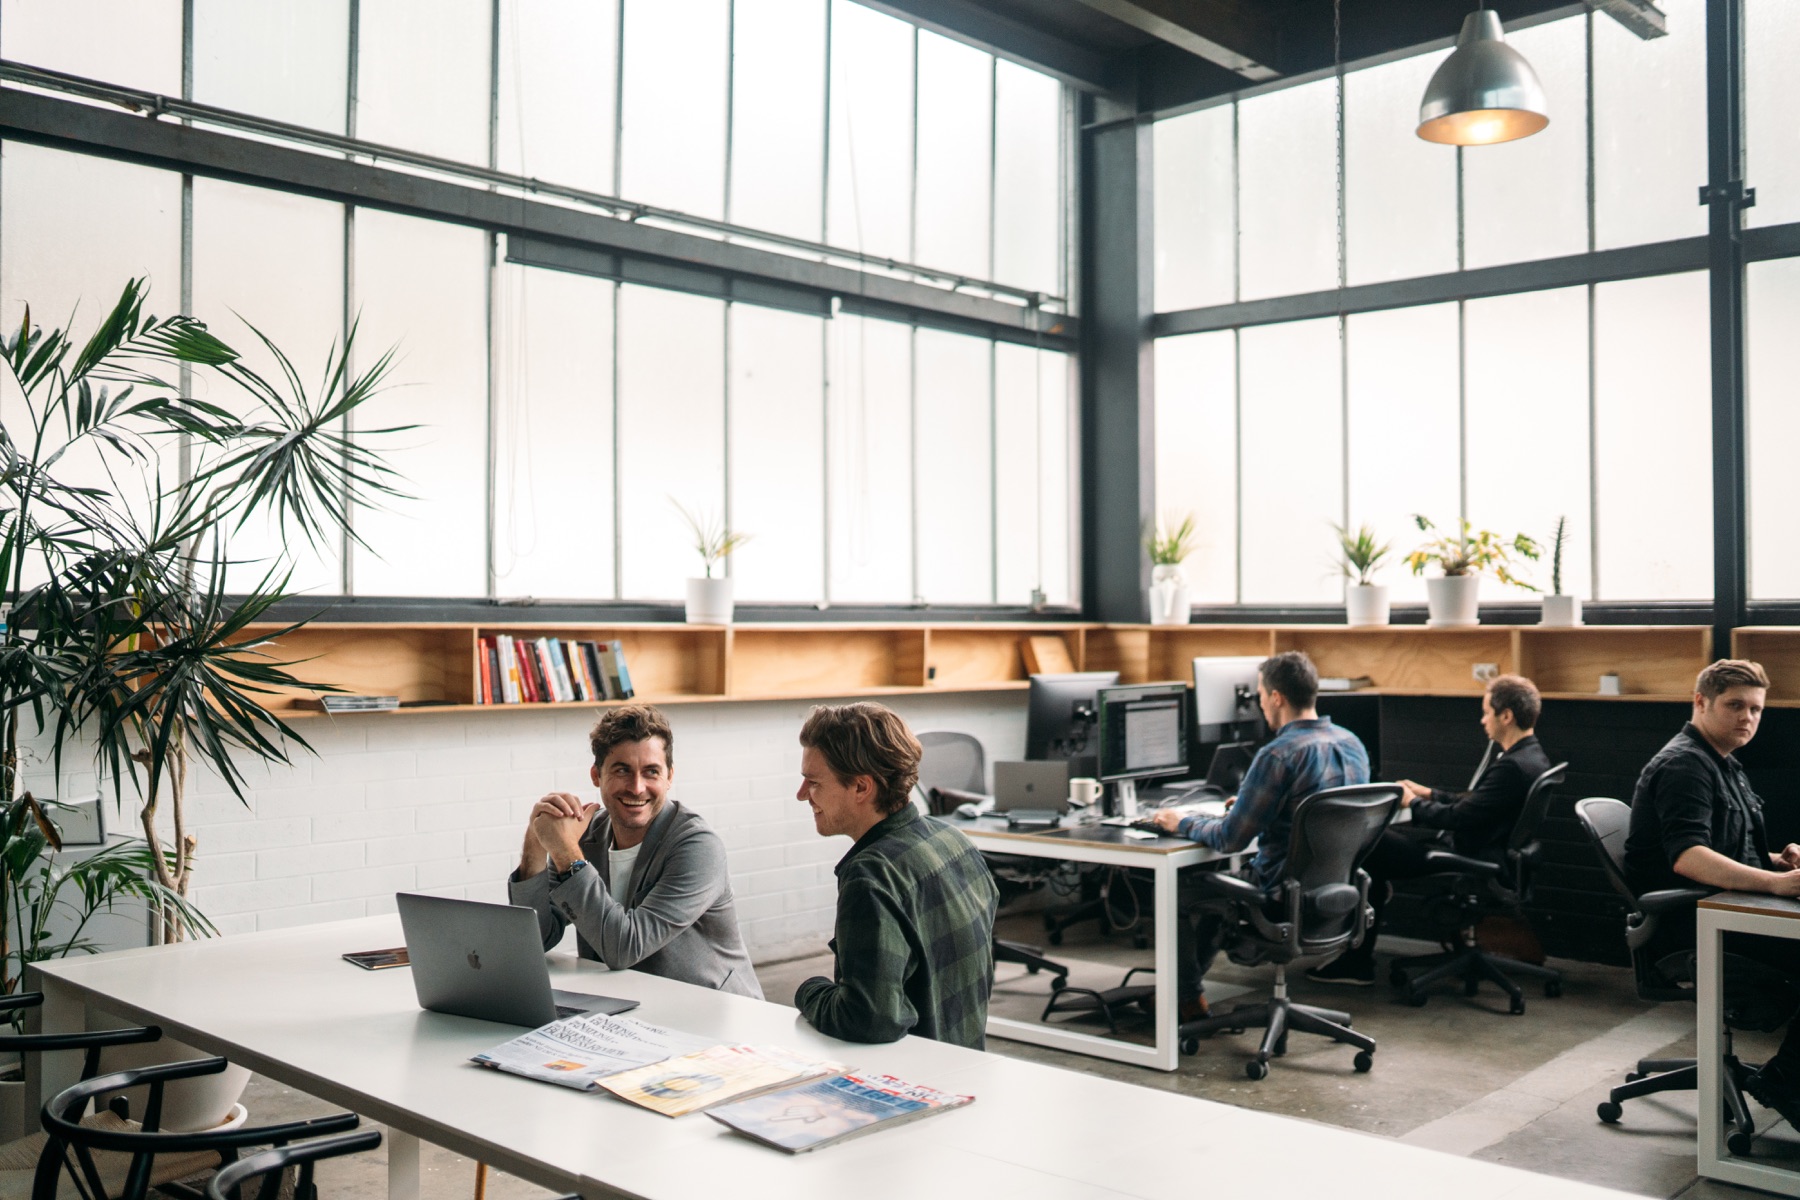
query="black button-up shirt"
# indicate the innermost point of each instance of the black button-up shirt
(1691, 795)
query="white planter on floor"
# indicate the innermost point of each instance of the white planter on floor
(1561, 610)
(1366, 604)
(709, 602)
(1169, 596)
(1452, 600)
(204, 1102)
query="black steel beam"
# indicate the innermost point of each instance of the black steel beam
(1726, 198)
(975, 25)
(1118, 447)
(65, 124)
(1227, 34)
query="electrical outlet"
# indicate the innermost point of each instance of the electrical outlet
(1486, 671)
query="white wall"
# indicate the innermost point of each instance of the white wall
(437, 802)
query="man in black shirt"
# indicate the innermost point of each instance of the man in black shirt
(1696, 820)
(1478, 821)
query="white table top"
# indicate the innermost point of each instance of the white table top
(285, 1005)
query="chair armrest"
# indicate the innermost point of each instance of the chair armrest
(1444, 862)
(1230, 887)
(1671, 900)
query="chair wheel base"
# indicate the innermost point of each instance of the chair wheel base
(1517, 1007)
(1190, 1046)
(1256, 1070)
(1364, 1062)
(1738, 1142)
(1609, 1112)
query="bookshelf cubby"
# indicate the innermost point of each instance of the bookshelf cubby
(1777, 648)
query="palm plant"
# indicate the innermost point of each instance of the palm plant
(1359, 553)
(713, 539)
(1169, 542)
(122, 635)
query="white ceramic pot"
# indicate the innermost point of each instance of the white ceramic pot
(1451, 600)
(1169, 596)
(12, 1109)
(1561, 610)
(709, 601)
(1366, 604)
(204, 1102)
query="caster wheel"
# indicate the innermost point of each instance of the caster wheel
(1281, 1046)
(1190, 1046)
(1416, 999)
(1517, 1007)
(1058, 983)
(1553, 989)
(1032, 968)
(1054, 937)
(1364, 1062)
(1738, 1142)
(1256, 1070)
(1609, 1112)
(1633, 1076)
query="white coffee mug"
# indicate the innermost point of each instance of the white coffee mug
(1609, 685)
(1083, 792)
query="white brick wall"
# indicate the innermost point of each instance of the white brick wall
(436, 803)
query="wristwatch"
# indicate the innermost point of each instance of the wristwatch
(558, 878)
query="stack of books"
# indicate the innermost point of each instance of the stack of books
(348, 704)
(550, 670)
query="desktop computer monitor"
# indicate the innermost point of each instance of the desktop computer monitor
(1225, 706)
(1060, 720)
(1143, 735)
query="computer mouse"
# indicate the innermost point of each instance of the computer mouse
(968, 812)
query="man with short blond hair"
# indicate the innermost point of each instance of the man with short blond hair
(914, 944)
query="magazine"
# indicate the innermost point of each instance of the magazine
(578, 1051)
(714, 1076)
(828, 1111)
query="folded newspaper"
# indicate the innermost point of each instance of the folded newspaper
(578, 1051)
(714, 1076)
(828, 1111)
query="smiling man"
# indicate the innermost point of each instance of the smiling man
(914, 941)
(1696, 820)
(642, 879)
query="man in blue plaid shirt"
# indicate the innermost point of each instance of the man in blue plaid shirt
(1307, 754)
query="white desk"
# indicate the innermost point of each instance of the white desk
(1734, 912)
(283, 1004)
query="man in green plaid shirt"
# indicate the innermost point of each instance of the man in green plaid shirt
(915, 916)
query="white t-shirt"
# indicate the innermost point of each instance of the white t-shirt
(621, 863)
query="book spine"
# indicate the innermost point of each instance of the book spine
(590, 654)
(481, 671)
(542, 673)
(509, 658)
(497, 677)
(620, 672)
(564, 679)
(528, 692)
(578, 664)
(552, 677)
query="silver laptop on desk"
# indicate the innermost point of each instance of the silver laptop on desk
(1031, 791)
(486, 961)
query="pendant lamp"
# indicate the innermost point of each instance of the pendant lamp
(1485, 92)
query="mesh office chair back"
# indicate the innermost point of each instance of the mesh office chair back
(1334, 831)
(952, 760)
(1522, 847)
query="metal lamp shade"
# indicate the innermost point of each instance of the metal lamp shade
(1484, 93)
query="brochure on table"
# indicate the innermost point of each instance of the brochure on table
(828, 1111)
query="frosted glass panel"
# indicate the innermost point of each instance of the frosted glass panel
(1774, 427)
(870, 461)
(778, 116)
(1031, 417)
(671, 434)
(778, 453)
(1528, 426)
(1196, 454)
(284, 59)
(1287, 191)
(1772, 139)
(422, 285)
(954, 467)
(1404, 431)
(1028, 179)
(869, 206)
(1058, 486)
(557, 59)
(553, 435)
(136, 43)
(1528, 199)
(275, 260)
(1399, 190)
(422, 76)
(1650, 130)
(672, 137)
(1653, 415)
(1292, 430)
(1196, 247)
(956, 160)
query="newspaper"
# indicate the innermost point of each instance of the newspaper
(714, 1076)
(577, 1051)
(827, 1111)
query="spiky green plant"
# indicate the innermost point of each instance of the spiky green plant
(1359, 553)
(1557, 542)
(1169, 542)
(713, 540)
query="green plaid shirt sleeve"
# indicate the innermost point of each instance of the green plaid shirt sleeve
(869, 1002)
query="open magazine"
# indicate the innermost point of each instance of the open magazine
(578, 1051)
(713, 1076)
(828, 1111)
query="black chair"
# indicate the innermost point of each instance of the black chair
(270, 1165)
(1662, 978)
(955, 763)
(68, 1138)
(1479, 888)
(1318, 909)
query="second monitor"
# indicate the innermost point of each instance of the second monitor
(1143, 735)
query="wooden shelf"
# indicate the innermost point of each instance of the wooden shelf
(688, 664)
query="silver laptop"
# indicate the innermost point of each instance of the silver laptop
(1033, 787)
(486, 961)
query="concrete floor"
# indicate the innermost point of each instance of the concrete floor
(1459, 1075)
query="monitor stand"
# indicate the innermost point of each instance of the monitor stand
(1125, 797)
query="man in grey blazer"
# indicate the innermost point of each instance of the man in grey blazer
(642, 878)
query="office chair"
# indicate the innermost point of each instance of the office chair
(73, 1142)
(1670, 977)
(270, 1165)
(956, 762)
(1319, 908)
(1479, 888)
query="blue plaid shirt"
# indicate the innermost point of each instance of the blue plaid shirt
(1305, 757)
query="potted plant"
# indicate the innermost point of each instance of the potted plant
(1560, 608)
(1365, 602)
(1463, 559)
(709, 600)
(1168, 545)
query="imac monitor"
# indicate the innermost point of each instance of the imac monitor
(1143, 735)
(1225, 695)
(1061, 721)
